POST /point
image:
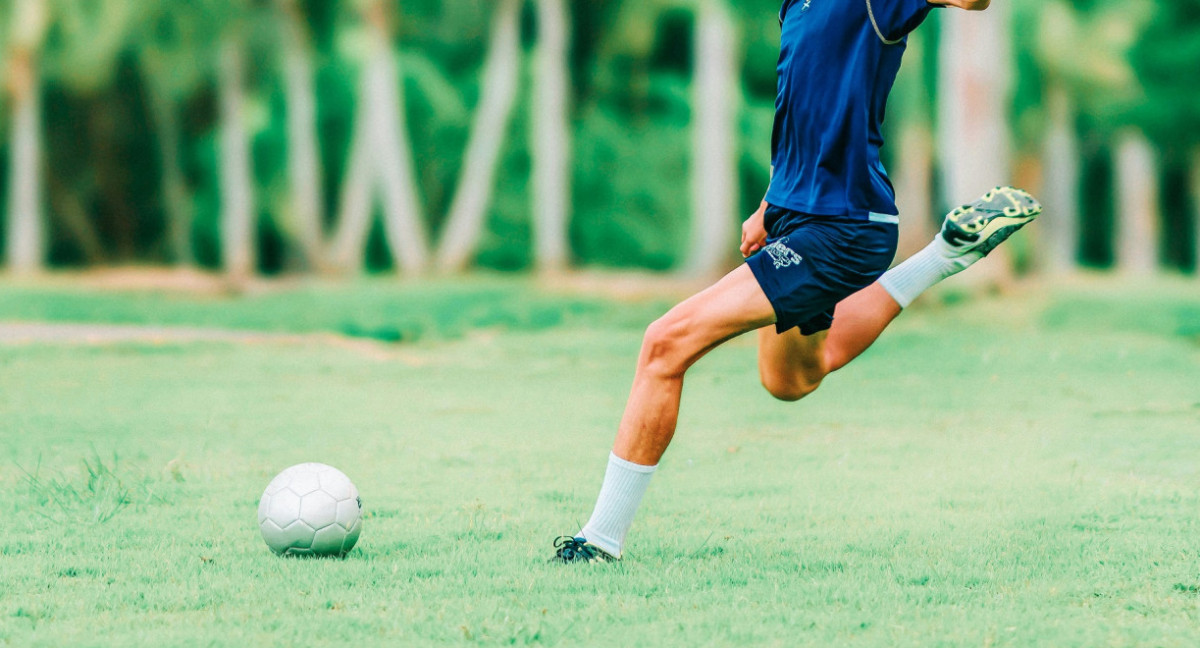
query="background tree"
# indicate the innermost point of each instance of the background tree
(381, 156)
(176, 57)
(1137, 177)
(306, 205)
(975, 79)
(550, 142)
(714, 175)
(466, 218)
(82, 57)
(1169, 111)
(25, 237)
(1135, 163)
(910, 121)
(238, 218)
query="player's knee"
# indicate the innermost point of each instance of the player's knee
(788, 388)
(664, 347)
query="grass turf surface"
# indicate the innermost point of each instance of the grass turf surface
(1012, 472)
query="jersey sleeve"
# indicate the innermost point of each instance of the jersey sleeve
(783, 9)
(898, 18)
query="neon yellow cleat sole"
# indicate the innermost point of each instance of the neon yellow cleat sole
(989, 221)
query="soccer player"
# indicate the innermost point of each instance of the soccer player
(814, 284)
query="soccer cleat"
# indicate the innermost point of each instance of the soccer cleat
(578, 550)
(987, 222)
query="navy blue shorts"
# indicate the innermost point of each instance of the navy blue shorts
(811, 263)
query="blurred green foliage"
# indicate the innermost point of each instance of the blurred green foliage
(102, 60)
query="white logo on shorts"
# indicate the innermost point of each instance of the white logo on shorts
(782, 255)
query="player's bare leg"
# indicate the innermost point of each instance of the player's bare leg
(672, 344)
(734, 305)
(791, 365)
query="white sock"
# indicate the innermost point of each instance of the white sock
(624, 485)
(922, 270)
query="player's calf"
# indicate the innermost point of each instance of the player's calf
(671, 345)
(791, 365)
(789, 388)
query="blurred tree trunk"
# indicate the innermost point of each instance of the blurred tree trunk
(714, 123)
(306, 205)
(25, 249)
(1194, 182)
(466, 219)
(380, 156)
(914, 167)
(1136, 168)
(236, 173)
(67, 208)
(914, 189)
(404, 223)
(550, 132)
(973, 95)
(1060, 184)
(347, 250)
(177, 201)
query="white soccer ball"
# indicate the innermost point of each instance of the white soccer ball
(310, 509)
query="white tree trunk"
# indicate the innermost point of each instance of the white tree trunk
(914, 188)
(236, 173)
(714, 141)
(304, 158)
(25, 244)
(497, 98)
(347, 250)
(1136, 168)
(973, 89)
(403, 221)
(1060, 185)
(177, 203)
(912, 169)
(380, 155)
(551, 138)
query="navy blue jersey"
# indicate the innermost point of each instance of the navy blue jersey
(835, 74)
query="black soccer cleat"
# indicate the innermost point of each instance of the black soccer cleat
(569, 549)
(989, 221)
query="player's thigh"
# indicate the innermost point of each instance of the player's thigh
(791, 357)
(734, 305)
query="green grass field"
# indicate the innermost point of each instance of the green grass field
(1012, 472)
